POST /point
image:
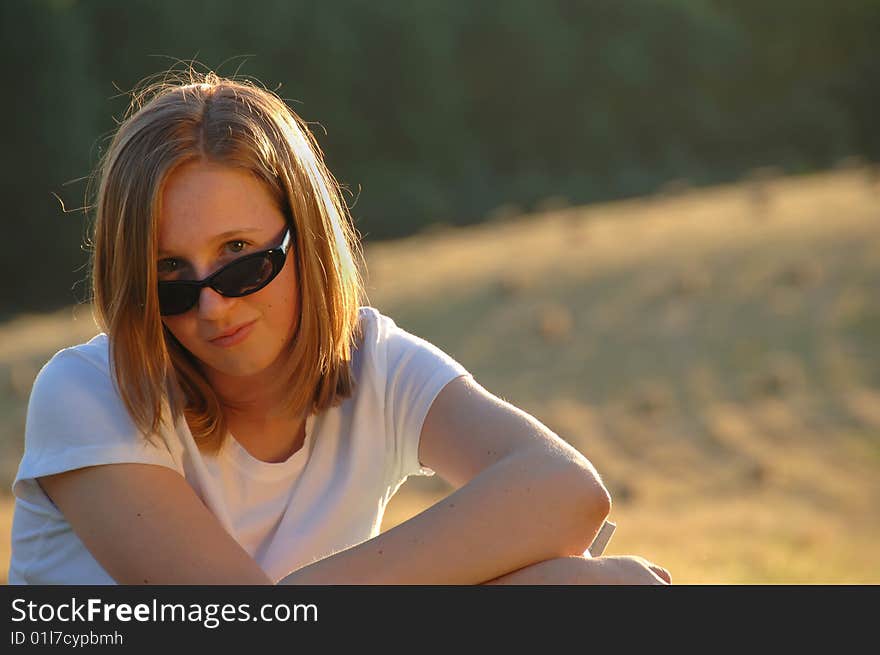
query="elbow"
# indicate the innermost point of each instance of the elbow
(596, 500)
(575, 503)
(591, 505)
(601, 499)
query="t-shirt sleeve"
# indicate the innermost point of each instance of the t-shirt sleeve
(76, 418)
(416, 373)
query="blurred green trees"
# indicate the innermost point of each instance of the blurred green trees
(441, 111)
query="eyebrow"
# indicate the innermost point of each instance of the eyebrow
(221, 237)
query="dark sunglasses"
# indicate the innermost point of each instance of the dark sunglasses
(241, 277)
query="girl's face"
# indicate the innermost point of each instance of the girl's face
(211, 215)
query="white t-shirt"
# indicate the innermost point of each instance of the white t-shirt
(328, 496)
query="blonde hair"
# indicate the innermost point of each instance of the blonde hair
(237, 123)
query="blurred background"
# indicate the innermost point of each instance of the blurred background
(652, 224)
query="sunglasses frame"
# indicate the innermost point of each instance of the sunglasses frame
(277, 256)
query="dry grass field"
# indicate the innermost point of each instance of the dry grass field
(713, 352)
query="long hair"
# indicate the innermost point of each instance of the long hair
(235, 123)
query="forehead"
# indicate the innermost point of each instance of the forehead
(202, 200)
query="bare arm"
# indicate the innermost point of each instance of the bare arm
(617, 570)
(145, 525)
(524, 496)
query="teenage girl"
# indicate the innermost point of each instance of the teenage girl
(243, 418)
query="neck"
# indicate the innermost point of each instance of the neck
(258, 395)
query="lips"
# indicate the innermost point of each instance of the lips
(233, 336)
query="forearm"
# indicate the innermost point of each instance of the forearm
(517, 512)
(557, 571)
(586, 570)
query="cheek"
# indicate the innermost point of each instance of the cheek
(284, 304)
(284, 313)
(178, 329)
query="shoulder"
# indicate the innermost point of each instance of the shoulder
(382, 332)
(383, 338)
(77, 418)
(374, 331)
(75, 391)
(402, 359)
(382, 343)
(83, 364)
(373, 324)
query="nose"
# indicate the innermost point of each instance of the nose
(212, 305)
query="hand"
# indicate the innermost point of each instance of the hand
(586, 570)
(628, 570)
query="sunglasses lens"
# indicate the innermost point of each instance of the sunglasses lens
(176, 299)
(245, 276)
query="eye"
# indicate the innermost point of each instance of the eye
(166, 266)
(237, 245)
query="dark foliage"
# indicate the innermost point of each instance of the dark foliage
(442, 111)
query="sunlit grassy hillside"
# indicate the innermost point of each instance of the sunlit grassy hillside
(713, 353)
